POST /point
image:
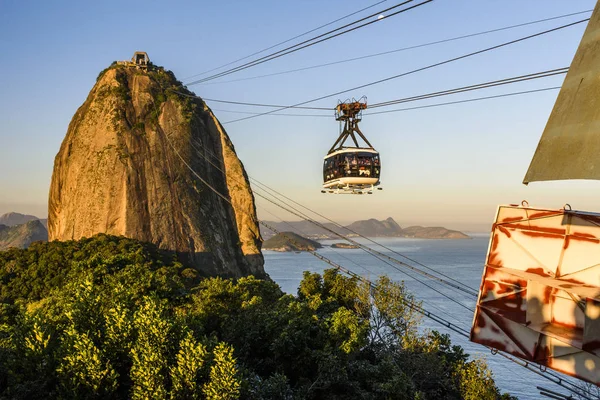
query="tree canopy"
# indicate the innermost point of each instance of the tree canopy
(110, 317)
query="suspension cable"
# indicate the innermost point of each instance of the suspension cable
(400, 49)
(465, 101)
(473, 291)
(272, 115)
(307, 43)
(450, 60)
(400, 109)
(485, 85)
(478, 86)
(288, 40)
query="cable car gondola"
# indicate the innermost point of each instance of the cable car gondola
(356, 169)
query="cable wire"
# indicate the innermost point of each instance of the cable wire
(272, 115)
(474, 291)
(401, 49)
(487, 49)
(250, 104)
(300, 46)
(288, 40)
(465, 101)
(485, 85)
(410, 108)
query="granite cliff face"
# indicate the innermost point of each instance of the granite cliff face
(121, 170)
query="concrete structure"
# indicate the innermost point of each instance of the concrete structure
(139, 60)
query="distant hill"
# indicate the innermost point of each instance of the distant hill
(436, 232)
(304, 228)
(373, 228)
(370, 227)
(282, 242)
(23, 235)
(13, 218)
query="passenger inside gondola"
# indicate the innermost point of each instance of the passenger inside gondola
(351, 165)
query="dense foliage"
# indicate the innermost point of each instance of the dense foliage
(110, 317)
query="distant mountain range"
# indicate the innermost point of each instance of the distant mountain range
(13, 218)
(20, 230)
(23, 235)
(370, 228)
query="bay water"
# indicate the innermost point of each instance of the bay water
(462, 260)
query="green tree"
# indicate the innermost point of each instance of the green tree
(186, 372)
(83, 371)
(224, 383)
(148, 371)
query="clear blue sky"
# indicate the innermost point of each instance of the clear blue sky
(449, 165)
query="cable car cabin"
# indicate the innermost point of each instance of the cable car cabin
(351, 170)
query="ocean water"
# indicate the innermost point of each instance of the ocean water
(462, 260)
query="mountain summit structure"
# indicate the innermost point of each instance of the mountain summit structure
(133, 163)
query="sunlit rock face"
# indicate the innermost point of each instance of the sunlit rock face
(121, 170)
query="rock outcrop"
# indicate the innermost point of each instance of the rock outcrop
(290, 241)
(128, 165)
(23, 235)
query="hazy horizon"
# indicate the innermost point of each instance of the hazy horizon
(482, 227)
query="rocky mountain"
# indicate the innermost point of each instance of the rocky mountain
(23, 235)
(125, 168)
(290, 241)
(13, 218)
(370, 227)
